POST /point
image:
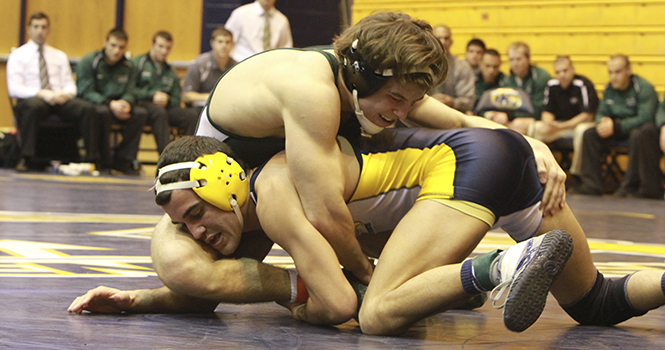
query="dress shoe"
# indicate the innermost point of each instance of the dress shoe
(22, 166)
(583, 189)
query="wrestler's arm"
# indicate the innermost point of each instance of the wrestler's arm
(331, 298)
(190, 267)
(431, 113)
(311, 120)
(196, 279)
(159, 300)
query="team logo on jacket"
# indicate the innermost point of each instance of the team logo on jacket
(506, 98)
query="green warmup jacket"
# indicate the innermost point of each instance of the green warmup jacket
(630, 108)
(100, 83)
(481, 86)
(152, 77)
(660, 115)
(534, 85)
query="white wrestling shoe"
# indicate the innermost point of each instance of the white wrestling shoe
(528, 270)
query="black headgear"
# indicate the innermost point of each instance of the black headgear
(359, 75)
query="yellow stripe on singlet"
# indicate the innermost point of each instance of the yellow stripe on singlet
(432, 168)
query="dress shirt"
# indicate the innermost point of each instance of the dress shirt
(247, 23)
(23, 71)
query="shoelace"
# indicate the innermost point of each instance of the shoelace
(498, 291)
(496, 296)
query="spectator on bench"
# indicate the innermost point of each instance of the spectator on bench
(475, 49)
(490, 76)
(106, 78)
(40, 78)
(158, 91)
(202, 75)
(644, 178)
(457, 91)
(629, 101)
(571, 102)
(525, 76)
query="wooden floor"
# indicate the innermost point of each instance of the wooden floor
(60, 236)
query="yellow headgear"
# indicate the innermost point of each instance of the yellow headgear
(216, 178)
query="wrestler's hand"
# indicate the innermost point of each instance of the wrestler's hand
(365, 275)
(550, 174)
(103, 300)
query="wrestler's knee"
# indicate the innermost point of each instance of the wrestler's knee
(605, 304)
(375, 319)
(342, 310)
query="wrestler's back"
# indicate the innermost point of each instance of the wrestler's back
(254, 97)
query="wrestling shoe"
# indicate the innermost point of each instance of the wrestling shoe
(527, 271)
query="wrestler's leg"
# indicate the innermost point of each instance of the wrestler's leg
(579, 274)
(604, 305)
(414, 277)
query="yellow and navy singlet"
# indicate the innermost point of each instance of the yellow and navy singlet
(491, 169)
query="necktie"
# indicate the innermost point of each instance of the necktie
(43, 72)
(266, 32)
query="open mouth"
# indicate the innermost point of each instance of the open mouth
(215, 239)
(389, 121)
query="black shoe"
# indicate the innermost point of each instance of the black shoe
(22, 166)
(624, 192)
(583, 189)
(650, 195)
(126, 167)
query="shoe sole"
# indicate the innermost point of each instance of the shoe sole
(528, 292)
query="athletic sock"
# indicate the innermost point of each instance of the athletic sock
(475, 273)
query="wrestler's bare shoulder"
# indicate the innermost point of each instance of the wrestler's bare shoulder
(259, 90)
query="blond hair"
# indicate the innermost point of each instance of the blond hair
(395, 41)
(521, 46)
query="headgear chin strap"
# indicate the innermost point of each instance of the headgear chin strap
(362, 81)
(368, 126)
(216, 178)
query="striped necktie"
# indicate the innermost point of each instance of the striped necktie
(266, 32)
(43, 72)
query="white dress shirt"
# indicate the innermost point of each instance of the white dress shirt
(23, 71)
(247, 22)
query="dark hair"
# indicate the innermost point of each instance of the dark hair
(476, 42)
(117, 33)
(162, 34)
(220, 31)
(492, 52)
(187, 149)
(39, 15)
